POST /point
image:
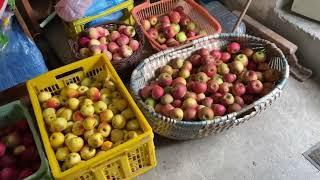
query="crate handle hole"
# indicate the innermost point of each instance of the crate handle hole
(69, 73)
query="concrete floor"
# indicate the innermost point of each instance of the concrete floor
(265, 148)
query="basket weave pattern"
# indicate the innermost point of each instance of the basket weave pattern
(181, 130)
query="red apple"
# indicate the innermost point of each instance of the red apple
(114, 36)
(125, 51)
(234, 108)
(207, 101)
(200, 97)
(134, 44)
(190, 95)
(205, 113)
(157, 92)
(239, 100)
(187, 65)
(199, 87)
(204, 52)
(174, 17)
(216, 54)
(84, 41)
(250, 76)
(166, 109)
(238, 89)
(179, 91)
(229, 77)
(255, 87)
(179, 80)
(177, 103)
(225, 57)
(165, 79)
(212, 86)
(195, 60)
(153, 33)
(169, 32)
(130, 31)
(190, 114)
(184, 21)
(113, 47)
(210, 70)
(202, 77)
(165, 20)
(216, 97)
(224, 87)
(207, 59)
(189, 103)
(219, 109)
(247, 51)
(233, 47)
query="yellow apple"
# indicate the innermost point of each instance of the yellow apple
(87, 152)
(95, 140)
(121, 104)
(89, 123)
(128, 113)
(73, 159)
(132, 125)
(88, 133)
(87, 110)
(62, 153)
(56, 139)
(59, 124)
(116, 135)
(75, 144)
(106, 145)
(78, 128)
(106, 116)
(73, 103)
(104, 129)
(118, 121)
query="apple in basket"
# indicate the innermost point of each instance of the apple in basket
(210, 83)
(100, 40)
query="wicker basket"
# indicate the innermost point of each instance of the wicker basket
(125, 65)
(190, 130)
(193, 10)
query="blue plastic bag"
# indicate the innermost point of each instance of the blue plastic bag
(20, 60)
(98, 6)
(110, 18)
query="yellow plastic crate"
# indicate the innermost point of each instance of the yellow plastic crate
(125, 161)
(76, 27)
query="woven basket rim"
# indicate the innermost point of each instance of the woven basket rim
(222, 119)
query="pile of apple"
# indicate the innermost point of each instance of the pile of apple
(18, 153)
(172, 29)
(86, 120)
(209, 84)
(117, 44)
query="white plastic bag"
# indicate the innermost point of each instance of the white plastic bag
(70, 10)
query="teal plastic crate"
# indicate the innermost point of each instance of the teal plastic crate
(13, 111)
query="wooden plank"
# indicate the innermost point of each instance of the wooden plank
(22, 23)
(264, 32)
